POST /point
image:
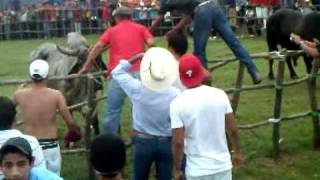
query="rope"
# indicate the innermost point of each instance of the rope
(314, 113)
(236, 89)
(277, 87)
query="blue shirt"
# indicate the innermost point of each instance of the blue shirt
(150, 109)
(39, 173)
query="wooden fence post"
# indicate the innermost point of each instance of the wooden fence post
(312, 80)
(277, 108)
(88, 122)
(238, 85)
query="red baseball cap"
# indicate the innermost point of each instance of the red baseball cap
(190, 70)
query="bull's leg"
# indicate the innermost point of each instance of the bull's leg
(308, 62)
(292, 72)
(270, 74)
(272, 41)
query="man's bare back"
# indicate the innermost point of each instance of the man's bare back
(39, 106)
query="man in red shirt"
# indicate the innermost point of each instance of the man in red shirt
(124, 40)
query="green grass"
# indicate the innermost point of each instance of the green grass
(298, 159)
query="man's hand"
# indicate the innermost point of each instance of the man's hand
(236, 160)
(177, 174)
(73, 135)
(295, 38)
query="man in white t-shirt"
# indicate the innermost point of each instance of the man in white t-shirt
(7, 118)
(200, 117)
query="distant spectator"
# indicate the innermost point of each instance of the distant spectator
(105, 13)
(287, 3)
(39, 106)
(7, 119)
(108, 156)
(45, 18)
(16, 162)
(241, 7)
(252, 22)
(1, 15)
(68, 9)
(303, 6)
(77, 18)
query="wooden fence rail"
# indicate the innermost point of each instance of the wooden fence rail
(235, 91)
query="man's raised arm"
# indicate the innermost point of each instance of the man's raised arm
(96, 50)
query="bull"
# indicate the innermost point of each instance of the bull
(68, 60)
(279, 27)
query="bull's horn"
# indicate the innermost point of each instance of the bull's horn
(68, 51)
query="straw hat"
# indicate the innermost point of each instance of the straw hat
(158, 69)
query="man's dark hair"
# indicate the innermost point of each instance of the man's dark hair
(123, 13)
(7, 113)
(15, 151)
(178, 42)
(108, 155)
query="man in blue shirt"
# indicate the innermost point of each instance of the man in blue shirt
(150, 100)
(206, 14)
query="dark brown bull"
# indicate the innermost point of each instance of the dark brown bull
(279, 27)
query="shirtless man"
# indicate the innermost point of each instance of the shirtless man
(39, 106)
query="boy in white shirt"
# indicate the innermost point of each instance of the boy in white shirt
(7, 118)
(200, 117)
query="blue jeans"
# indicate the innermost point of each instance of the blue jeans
(115, 100)
(149, 150)
(211, 16)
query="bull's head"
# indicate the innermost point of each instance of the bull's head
(80, 56)
(77, 51)
(78, 47)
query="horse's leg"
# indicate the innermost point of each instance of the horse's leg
(292, 72)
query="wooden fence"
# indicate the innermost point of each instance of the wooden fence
(235, 91)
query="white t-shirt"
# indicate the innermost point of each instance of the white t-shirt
(201, 112)
(35, 146)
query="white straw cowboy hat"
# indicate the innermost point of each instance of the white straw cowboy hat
(158, 69)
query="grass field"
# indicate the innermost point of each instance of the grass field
(298, 159)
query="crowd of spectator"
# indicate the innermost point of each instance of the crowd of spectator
(45, 20)
(57, 19)
(54, 19)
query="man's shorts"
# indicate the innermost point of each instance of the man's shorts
(52, 155)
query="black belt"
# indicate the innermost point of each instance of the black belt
(48, 143)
